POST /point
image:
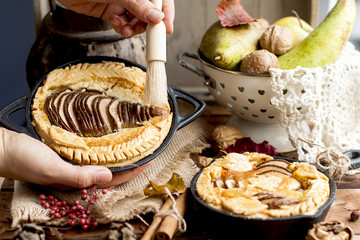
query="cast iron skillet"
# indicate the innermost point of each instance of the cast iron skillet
(173, 94)
(225, 224)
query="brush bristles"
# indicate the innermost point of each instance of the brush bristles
(156, 84)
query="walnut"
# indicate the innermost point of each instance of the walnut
(203, 161)
(330, 230)
(224, 136)
(259, 62)
(277, 39)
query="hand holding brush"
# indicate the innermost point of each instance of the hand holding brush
(156, 79)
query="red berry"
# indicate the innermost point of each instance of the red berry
(87, 222)
(43, 202)
(46, 205)
(52, 212)
(84, 196)
(64, 203)
(72, 223)
(85, 227)
(51, 197)
(94, 224)
(82, 221)
(95, 196)
(72, 216)
(77, 214)
(76, 202)
(87, 212)
(104, 191)
(42, 196)
(51, 202)
(83, 216)
(57, 215)
(84, 191)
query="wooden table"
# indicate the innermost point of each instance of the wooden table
(347, 197)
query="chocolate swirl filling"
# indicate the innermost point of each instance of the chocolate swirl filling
(92, 114)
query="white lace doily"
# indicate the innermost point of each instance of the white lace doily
(325, 98)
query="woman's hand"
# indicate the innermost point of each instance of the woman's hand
(127, 17)
(27, 159)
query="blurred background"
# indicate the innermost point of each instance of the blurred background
(21, 21)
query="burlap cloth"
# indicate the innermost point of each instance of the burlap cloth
(125, 201)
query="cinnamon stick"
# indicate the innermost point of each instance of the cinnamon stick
(148, 235)
(169, 225)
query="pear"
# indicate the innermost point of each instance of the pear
(324, 44)
(227, 46)
(299, 28)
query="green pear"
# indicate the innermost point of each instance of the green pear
(227, 46)
(299, 31)
(324, 44)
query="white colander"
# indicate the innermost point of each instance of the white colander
(247, 96)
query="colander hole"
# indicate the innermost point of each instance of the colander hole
(271, 117)
(222, 85)
(245, 108)
(251, 100)
(229, 109)
(218, 93)
(241, 89)
(240, 114)
(302, 91)
(234, 98)
(255, 116)
(229, 105)
(285, 91)
(261, 92)
(263, 110)
(299, 108)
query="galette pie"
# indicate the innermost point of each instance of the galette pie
(257, 185)
(93, 113)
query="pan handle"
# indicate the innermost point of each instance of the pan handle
(208, 80)
(199, 106)
(14, 106)
(354, 156)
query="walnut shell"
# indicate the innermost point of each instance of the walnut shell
(277, 39)
(330, 230)
(224, 136)
(259, 62)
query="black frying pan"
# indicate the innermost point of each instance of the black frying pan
(173, 94)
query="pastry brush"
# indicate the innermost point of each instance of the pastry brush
(156, 80)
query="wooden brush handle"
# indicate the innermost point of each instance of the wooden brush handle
(156, 39)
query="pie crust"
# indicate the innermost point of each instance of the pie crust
(256, 185)
(110, 80)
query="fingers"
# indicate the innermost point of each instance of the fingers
(27, 159)
(169, 11)
(121, 177)
(83, 176)
(144, 10)
(133, 16)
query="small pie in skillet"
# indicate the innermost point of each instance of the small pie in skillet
(92, 113)
(257, 185)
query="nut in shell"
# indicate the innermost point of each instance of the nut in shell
(330, 230)
(277, 39)
(259, 62)
(224, 136)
